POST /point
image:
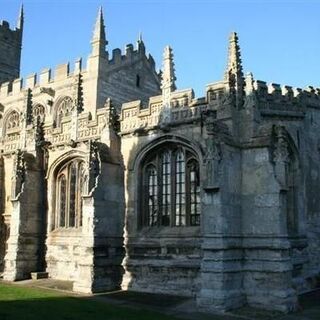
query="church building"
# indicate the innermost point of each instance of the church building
(111, 177)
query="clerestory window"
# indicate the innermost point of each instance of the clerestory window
(70, 182)
(171, 188)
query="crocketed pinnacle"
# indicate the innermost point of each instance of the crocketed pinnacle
(234, 74)
(168, 72)
(20, 21)
(234, 57)
(99, 41)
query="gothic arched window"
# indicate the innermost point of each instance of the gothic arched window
(13, 121)
(69, 190)
(38, 112)
(171, 188)
(64, 109)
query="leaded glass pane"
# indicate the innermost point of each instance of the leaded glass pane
(62, 201)
(180, 189)
(194, 193)
(166, 188)
(152, 195)
(80, 192)
(72, 194)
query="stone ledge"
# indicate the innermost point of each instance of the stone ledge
(39, 275)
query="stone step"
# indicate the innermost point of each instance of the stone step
(39, 275)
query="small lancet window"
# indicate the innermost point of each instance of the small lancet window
(138, 81)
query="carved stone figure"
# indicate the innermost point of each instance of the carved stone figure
(212, 161)
(18, 174)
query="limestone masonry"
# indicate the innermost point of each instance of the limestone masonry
(112, 177)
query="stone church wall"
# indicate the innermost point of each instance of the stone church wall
(251, 148)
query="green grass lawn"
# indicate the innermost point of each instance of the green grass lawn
(24, 303)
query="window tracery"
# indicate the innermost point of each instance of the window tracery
(171, 188)
(69, 191)
(64, 109)
(38, 112)
(13, 121)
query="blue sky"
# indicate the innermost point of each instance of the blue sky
(279, 39)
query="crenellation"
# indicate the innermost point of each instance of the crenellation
(182, 98)
(116, 56)
(297, 92)
(287, 91)
(62, 71)
(198, 101)
(278, 96)
(5, 24)
(17, 86)
(5, 89)
(129, 51)
(215, 92)
(310, 89)
(45, 76)
(31, 81)
(77, 66)
(261, 87)
(275, 89)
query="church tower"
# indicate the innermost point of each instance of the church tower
(10, 49)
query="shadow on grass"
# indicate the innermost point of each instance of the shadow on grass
(70, 308)
(150, 299)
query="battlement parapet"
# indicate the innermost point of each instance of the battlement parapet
(130, 54)
(183, 108)
(61, 72)
(5, 24)
(275, 96)
(5, 28)
(215, 92)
